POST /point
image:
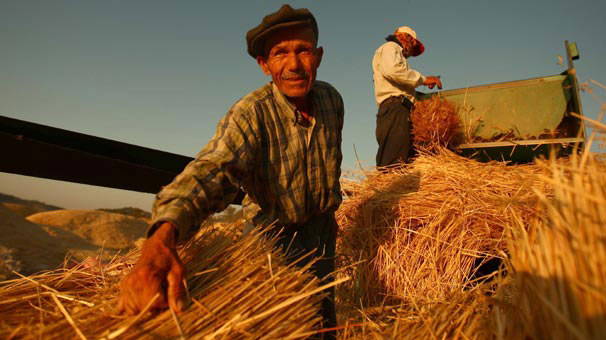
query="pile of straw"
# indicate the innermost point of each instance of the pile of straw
(435, 121)
(558, 272)
(239, 290)
(420, 232)
(553, 283)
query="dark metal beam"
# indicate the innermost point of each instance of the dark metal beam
(42, 151)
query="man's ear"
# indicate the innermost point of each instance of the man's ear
(319, 54)
(263, 64)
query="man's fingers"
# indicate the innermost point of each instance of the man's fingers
(154, 286)
(125, 304)
(176, 290)
(137, 291)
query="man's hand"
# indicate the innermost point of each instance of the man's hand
(158, 271)
(431, 81)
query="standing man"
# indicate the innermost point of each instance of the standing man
(280, 144)
(395, 84)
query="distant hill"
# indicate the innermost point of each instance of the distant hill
(25, 207)
(30, 247)
(100, 228)
(130, 211)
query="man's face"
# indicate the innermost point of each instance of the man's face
(292, 59)
(408, 42)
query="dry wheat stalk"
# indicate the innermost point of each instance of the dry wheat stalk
(235, 295)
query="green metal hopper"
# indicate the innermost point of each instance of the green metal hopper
(520, 120)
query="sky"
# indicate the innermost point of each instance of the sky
(161, 74)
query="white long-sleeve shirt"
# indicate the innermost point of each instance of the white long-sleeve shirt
(391, 74)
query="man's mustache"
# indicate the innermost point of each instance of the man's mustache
(294, 75)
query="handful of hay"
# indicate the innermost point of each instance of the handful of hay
(435, 122)
(239, 290)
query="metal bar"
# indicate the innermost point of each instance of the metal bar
(521, 142)
(572, 72)
(518, 154)
(26, 156)
(94, 145)
(42, 151)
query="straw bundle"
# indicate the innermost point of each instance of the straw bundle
(419, 232)
(239, 290)
(559, 277)
(435, 121)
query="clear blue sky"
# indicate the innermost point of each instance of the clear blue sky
(162, 73)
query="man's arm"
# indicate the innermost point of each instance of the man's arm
(208, 184)
(395, 68)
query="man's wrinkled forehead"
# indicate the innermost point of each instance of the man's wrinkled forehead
(301, 33)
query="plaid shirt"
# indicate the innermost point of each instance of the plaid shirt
(288, 168)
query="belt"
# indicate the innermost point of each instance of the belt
(399, 99)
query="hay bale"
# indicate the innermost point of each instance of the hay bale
(421, 230)
(240, 290)
(436, 122)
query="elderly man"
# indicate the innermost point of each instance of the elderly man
(395, 84)
(281, 144)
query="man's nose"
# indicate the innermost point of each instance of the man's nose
(293, 62)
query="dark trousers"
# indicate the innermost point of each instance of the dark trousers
(319, 234)
(393, 131)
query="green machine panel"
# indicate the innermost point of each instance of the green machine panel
(519, 120)
(522, 109)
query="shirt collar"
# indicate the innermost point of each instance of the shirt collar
(292, 113)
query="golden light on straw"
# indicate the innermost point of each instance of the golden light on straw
(238, 291)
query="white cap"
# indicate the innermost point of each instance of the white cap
(408, 30)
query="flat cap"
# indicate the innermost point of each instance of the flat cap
(286, 16)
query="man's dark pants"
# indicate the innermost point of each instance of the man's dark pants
(393, 131)
(319, 234)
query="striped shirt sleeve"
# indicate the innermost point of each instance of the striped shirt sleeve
(211, 181)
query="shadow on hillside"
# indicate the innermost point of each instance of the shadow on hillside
(38, 247)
